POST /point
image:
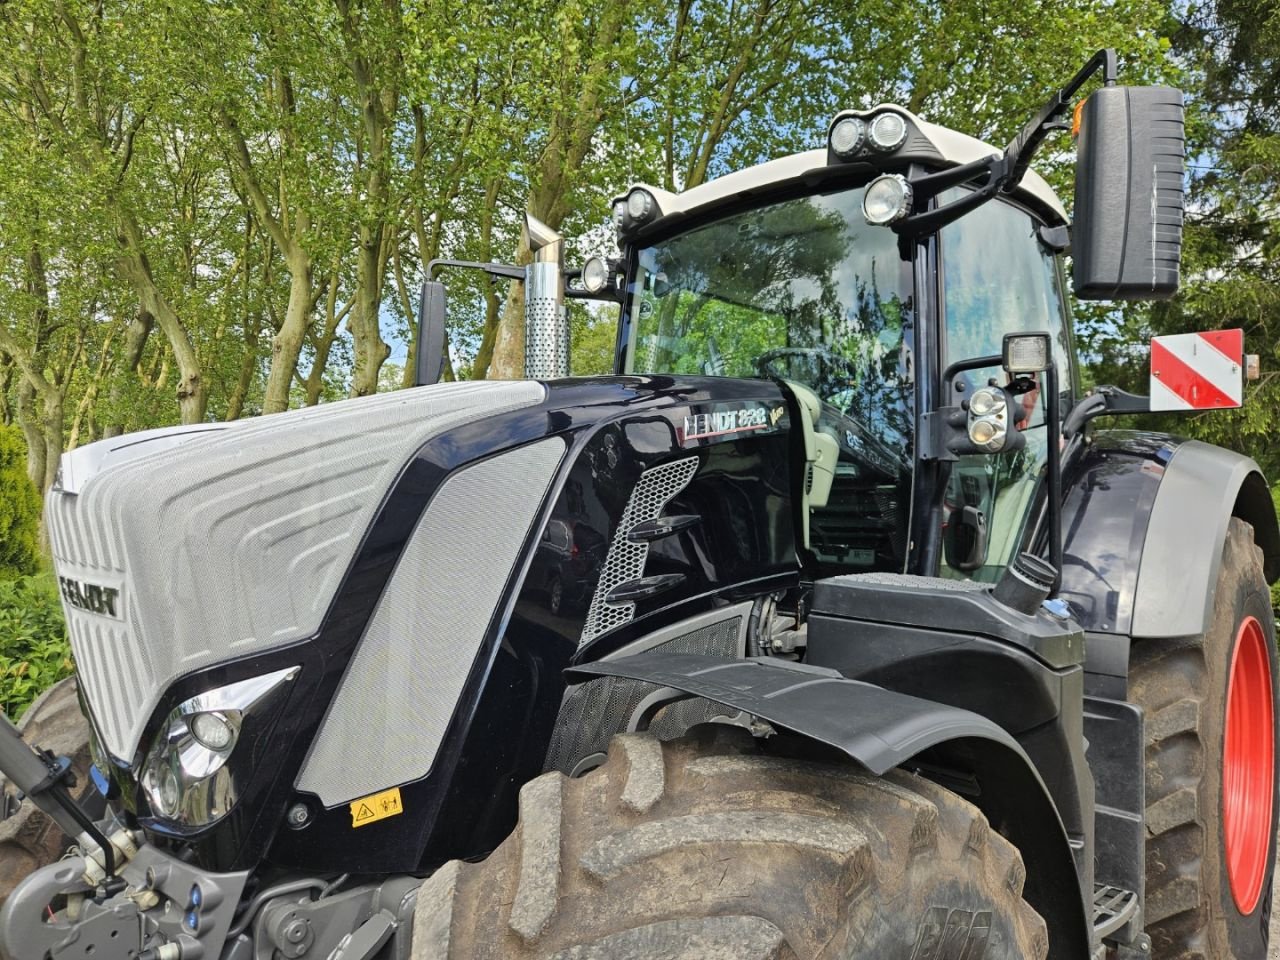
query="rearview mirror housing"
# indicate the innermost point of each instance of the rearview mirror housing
(1127, 238)
(430, 353)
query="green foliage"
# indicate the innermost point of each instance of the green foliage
(34, 652)
(19, 509)
(1275, 587)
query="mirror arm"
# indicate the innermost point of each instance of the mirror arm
(493, 269)
(936, 219)
(1104, 401)
(1004, 171)
(1018, 154)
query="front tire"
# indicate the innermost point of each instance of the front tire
(705, 847)
(1210, 769)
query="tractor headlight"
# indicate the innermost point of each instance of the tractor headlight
(886, 200)
(1026, 353)
(989, 419)
(595, 275)
(847, 136)
(888, 131)
(640, 205)
(190, 775)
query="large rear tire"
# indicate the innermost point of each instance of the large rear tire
(1210, 769)
(28, 838)
(705, 847)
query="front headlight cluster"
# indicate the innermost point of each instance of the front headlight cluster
(192, 773)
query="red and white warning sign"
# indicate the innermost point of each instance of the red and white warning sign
(1197, 371)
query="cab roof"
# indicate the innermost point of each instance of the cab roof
(925, 143)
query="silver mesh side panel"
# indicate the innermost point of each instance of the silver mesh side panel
(625, 561)
(234, 541)
(401, 688)
(593, 712)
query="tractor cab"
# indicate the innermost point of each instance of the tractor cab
(783, 272)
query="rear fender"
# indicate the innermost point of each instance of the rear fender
(880, 730)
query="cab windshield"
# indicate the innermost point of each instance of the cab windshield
(801, 290)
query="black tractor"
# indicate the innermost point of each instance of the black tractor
(832, 626)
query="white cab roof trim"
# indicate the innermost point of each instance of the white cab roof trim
(956, 148)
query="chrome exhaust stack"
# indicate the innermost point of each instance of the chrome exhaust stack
(546, 326)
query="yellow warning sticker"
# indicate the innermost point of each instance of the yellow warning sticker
(375, 807)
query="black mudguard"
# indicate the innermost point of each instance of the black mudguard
(880, 730)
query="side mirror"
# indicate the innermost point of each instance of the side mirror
(1127, 238)
(430, 356)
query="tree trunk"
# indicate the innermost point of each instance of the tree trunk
(192, 392)
(287, 344)
(248, 365)
(371, 350)
(32, 431)
(135, 341)
(53, 425)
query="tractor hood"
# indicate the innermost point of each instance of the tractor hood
(356, 597)
(180, 548)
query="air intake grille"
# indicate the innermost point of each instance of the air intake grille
(401, 689)
(625, 562)
(592, 712)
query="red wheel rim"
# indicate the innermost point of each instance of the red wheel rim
(1248, 765)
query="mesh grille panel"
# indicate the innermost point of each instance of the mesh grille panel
(592, 712)
(401, 688)
(236, 540)
(625, 561)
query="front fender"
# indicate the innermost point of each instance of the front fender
(875, 727)
(880, 730)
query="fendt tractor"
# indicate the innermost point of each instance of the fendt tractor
(831, 626)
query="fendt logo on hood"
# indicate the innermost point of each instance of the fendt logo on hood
(90, 596)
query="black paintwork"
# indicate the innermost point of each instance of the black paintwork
(616, 429)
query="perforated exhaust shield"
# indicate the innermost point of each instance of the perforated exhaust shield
(234, 541)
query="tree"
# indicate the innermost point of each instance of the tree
(19, 510)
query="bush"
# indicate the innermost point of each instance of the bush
(19, 509)
(34, 651)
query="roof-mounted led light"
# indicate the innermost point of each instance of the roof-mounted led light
(640, 205)
(886, 200)
(888, 131)
(847, 136)
(619, 214)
